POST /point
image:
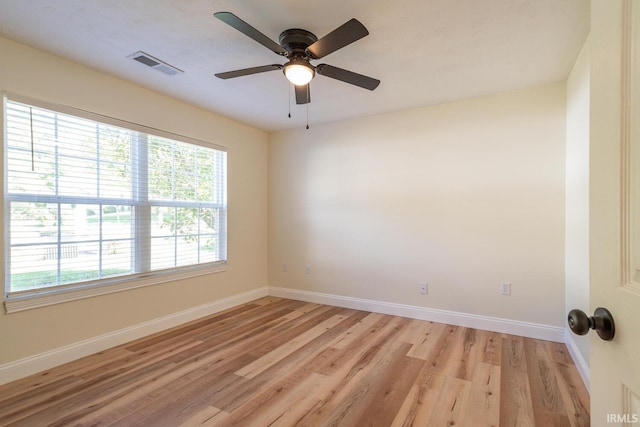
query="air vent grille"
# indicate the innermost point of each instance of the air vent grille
(155, 63)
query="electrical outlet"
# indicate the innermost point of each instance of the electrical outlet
(285, 267)
(505, 288)
(307, 269)
(422, 288)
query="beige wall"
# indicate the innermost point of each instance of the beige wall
(462, 195)
(35, 74)
(577, 194)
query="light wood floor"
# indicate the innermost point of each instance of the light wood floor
(278, 362)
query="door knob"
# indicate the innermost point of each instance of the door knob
(601, 321)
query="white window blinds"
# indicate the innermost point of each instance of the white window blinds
(88, 200)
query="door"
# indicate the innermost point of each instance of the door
(614, 208)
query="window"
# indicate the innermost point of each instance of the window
(91, 200)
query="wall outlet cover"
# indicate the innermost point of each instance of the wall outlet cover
(505, 288)
(422, 288)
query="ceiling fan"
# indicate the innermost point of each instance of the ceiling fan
(300, 47)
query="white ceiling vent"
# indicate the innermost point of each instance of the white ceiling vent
(155, 63)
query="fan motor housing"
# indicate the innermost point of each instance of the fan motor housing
(296, 41)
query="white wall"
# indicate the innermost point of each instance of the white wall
(577, 198)
(35, 74)
(463, 195)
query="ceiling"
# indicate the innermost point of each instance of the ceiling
(424, 51)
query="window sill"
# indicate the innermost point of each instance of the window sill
(27, 300)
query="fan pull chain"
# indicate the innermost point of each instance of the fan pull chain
(307, 115)
(289, 101)
(33, 164)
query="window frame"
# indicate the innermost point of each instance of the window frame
(27, 299)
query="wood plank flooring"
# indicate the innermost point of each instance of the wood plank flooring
(278, 362)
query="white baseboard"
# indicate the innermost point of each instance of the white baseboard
(581, 364)
(514, 327)
(43, 361)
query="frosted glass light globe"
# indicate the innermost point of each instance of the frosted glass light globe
(298, 74)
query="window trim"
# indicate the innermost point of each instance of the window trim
(33, 298)
(25, 300)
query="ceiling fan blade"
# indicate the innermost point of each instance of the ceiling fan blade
(347, 76)
(342, 36)
(248, 71)
(303, 94)
(246, 29)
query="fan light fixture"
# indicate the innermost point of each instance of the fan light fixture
(299, 72)
(300, 47)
